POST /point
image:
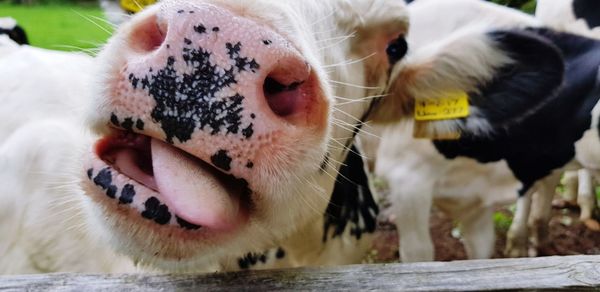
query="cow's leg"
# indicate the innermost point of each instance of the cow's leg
(412, 206)
(516, 238)
(586, 198)
(478, 233)
(571, 184)
(541, 212)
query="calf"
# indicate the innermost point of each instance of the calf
(535, 145)
(220, 129)
(9, 27)
(582, 16)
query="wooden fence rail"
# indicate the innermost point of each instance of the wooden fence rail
(581, 272)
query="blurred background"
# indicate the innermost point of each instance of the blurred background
(79, 25)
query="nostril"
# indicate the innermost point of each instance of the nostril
(148, 35)
(286, 87)
(282, 99)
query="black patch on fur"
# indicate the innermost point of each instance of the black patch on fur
(251, 259)
(221, 160)
(90, 173)
(156, 211)
(280, 253)
(200, 28)
(267, 42)
(216, 29)
(127, 194)
(544, 140)
(186, 225)
(180, 11)
(17, 34)
(253, 116)
(589, 10)
(185, 102)
(250, 164)
(520, 87)
(352, 202)
(397, 49)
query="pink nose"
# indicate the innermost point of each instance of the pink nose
(226, 88)
(209, 69)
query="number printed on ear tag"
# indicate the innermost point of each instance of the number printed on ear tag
(136, 6)
(453, 105)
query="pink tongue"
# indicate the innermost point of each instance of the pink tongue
(191, 189)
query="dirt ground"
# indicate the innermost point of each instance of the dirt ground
(568, 236)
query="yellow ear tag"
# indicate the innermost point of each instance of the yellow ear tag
(136, 6)
(453, 105)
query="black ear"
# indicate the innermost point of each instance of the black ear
(516, 89)
(505, 73)
(20, 36)
(352, 203)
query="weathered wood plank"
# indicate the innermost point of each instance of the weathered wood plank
(581, 272)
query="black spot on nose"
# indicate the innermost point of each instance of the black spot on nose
(397, 49)
(222, 160)
(200, 29)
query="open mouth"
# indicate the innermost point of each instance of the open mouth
(166, 184)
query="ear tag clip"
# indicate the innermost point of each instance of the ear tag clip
(428, 112)
(135, 6)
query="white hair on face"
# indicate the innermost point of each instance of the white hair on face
(7, 23)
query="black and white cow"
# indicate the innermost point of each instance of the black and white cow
(570, 12)
(9, 27)
(534, 141)
(581, 16)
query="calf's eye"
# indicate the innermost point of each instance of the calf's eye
(397, 49)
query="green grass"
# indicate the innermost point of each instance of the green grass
(60, 27)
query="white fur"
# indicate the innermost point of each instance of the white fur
(419, 177)
(7, 23)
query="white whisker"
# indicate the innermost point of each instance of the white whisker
(93, 22)
(349, 62)
(354, 85)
